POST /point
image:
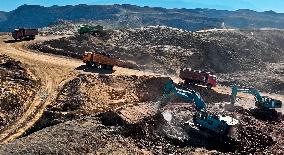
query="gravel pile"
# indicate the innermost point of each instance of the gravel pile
(16, 87)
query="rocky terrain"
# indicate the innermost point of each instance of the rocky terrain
(140, 129)
(18, 87)
(233, 55)
(121, 114)
(131, 16)
(52, 103)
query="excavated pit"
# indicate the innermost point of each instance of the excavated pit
(164, 135)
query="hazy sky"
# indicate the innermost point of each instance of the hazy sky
(258, 5)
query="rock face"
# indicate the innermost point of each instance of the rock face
(252, 58)
(131, 16)
(17, 86)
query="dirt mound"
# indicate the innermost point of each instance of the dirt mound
(101, 92)
(166, 49)
(84, 136)
(91, 94)
(129, 114)
(17, 88)
(243, 53)
(60, 27)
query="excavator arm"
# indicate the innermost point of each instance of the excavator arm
(190, 95)
(261, 101)
(252, 91)
(216, 124)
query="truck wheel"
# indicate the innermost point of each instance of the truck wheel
(89, 64)
(103, 66)
(110, 67)
(209, 86)
(257, 104)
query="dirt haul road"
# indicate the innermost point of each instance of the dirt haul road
(53, 71)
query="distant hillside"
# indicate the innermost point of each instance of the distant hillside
(121, 16)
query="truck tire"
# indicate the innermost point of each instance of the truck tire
(103, 66)
(209, 86)
(89, 64)
(109, 67)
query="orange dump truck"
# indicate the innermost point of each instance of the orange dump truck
(105, 61)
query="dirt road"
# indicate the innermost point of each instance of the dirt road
(53, 71)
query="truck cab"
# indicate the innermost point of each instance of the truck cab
(212, 80)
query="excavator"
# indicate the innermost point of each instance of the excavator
(218, 124)
(265, 106)
(261, 102)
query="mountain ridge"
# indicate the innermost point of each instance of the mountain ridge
(131, 16)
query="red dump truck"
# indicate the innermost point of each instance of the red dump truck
(22, 33)
(198, 77)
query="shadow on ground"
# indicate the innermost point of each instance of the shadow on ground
(94, 70)
(11, 41)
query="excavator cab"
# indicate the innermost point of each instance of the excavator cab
(205, 120)
(267, 102)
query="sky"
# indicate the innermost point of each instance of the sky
(257, 5)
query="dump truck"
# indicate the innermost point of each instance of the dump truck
(198, 77)
(24, 33)
(105, 61)
(89, 29)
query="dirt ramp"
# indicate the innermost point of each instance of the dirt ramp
(92, 94)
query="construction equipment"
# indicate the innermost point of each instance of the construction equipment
(90, 29)
(198, 77)
(261, 102)
(22, 33)
(217, 124)
(105, 61)
(190, 95)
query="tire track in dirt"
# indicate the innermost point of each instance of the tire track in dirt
(52, 71)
